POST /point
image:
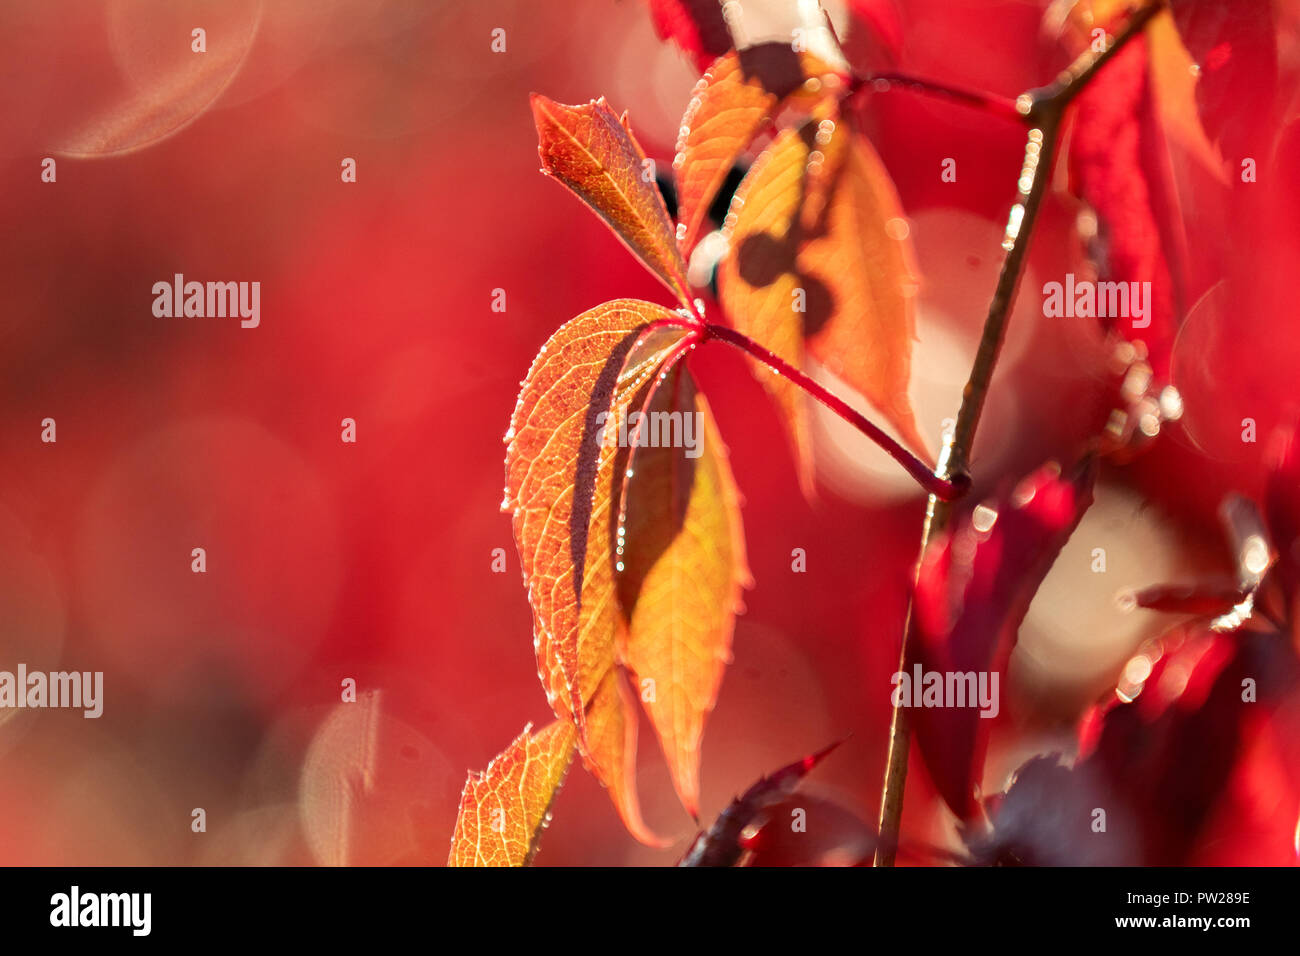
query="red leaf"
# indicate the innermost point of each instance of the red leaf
(1252, 557)
(720, 845)
(834, 835)
(875, 35)
(1166, 742)
(1204, 600)
(972, 592)
(1235, 46)
(1282, 510)
(1119, 165)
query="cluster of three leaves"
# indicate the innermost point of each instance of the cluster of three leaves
(632, 552)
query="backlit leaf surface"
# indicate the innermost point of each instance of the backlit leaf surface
(737, 96)
(817, 224)
(563, 484)
(504, 809)
(682, 571)
(591, 150)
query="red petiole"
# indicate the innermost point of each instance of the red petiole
(942, 488)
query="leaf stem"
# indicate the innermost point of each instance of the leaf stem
(947, 488)
(1043, 109)
(1029, 108)
(986, 102)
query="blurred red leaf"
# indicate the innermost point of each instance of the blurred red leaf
(1118, 164)
(830, 835)
(875, 33)
(1166, 742)
(1252, 558)
(1282, 511)
(697, 26)
(1235, 46)
(1208, 599)
(973, 589)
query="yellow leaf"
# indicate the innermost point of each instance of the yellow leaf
(820, 264)
(611, 751)
(682, 571)
(504, 809)
(865, 256)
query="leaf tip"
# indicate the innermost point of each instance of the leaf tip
(539, 103)
(814, 759)
(545, 117)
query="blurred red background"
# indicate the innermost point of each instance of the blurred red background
(329, 560)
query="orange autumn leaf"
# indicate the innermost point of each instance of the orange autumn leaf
(591, 150)
(682, 568)
(759, 304)
(867, 258)
(820, 265)
(563, 482)
(611, 751)
(734, 99)
(504, 809)
(569, 472)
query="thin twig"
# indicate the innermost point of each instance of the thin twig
(1044, 109)
(1056, 96)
